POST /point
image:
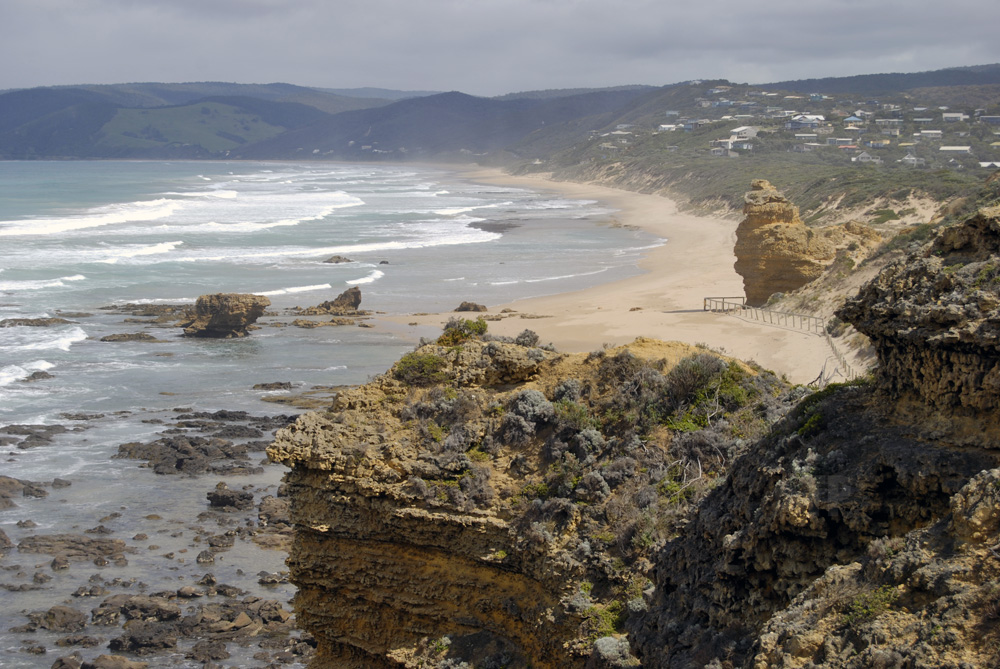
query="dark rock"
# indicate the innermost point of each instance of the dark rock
(229, 500)
(336, 260)
(61, 483)
(113, 662)
(274, 385)
(71, 546)
(207, 650)
(129, 336)
(84, 640)
(225, 315)
(5, 543)
(37, 376)
(74, 661)
(59, 619)
(471, 306)
(33, 322)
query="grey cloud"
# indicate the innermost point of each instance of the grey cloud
(483, 47)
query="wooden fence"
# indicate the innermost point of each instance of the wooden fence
(737, 306)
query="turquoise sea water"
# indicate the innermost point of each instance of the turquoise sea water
(77, 236)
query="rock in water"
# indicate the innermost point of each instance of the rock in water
(775, 251)
(345, 303)
(471, 306)
(225, 315)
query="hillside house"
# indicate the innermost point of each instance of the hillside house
(911, 160)
(866, 158)
(806, 136)
(990, 164)
(930, 134)
(956, 149)
(992, 120)
(923, 120)
(954, 117)
(744, 132)
(668, 127)
(839, 141)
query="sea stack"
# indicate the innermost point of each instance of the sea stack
(775, 251)
(225, 315)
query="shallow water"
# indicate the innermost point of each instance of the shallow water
(78, 236)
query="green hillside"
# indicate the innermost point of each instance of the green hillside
(213, 126)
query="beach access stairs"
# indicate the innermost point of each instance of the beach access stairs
(835, 367)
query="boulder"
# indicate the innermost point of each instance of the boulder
(225, 315)
(336, 260)
(345, 303)
(471, 306)
(229, 500)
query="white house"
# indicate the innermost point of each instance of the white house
(956, 149)
(744, 132)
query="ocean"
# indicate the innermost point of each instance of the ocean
(77, 237)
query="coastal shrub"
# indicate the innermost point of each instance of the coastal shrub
(525, 411)
(568, 390)
(869, 605)
(571, 415)
(692, 374)
(527, 338)
(421, 369)
(460, 330)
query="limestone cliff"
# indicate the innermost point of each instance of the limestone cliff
(776, 252)
(494, 502)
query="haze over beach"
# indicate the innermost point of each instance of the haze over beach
(543, 333)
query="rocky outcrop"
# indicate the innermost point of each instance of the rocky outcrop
(225, 315)
(480, 511)
(777, 253)
(934, 321)
(346, 303)
(471, 306)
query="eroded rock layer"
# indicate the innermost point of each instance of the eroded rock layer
(935, 323)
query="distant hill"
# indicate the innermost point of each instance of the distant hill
(447, 123)
(879, 84)
(380, 93)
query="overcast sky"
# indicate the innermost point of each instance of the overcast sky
(484, 47)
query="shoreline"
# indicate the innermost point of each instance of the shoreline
(663, 302)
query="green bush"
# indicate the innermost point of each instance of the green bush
(460, 330)
(869, 605)
(421, 369)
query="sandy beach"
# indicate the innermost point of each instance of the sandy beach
(664, 302)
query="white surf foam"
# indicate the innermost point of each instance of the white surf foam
(295, 289)
(135, 252)
(12, 373)
(39, 284)
(101, 216)
(59, 340)
(371, 278)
